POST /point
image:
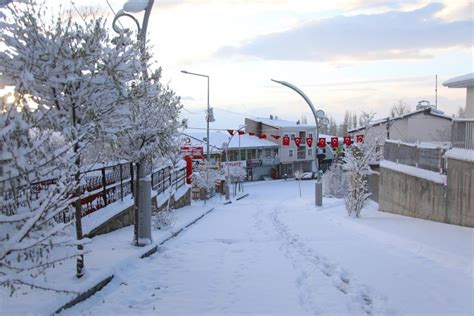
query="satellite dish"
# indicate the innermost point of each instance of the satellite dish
(324, 121)
(320, 114)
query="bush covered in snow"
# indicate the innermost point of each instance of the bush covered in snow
(335, 182)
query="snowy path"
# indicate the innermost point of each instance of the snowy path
(274, 253)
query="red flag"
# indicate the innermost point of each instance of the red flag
(334, 142)
(251, 134)
(276, 136)
(360, 138)
(322, 142)
(309, 141)
(347, 140)
(286, 141)
(262, 136)
(297, 141)
(231, 131)
(241, 132)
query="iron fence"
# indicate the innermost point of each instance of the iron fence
(99, 188)
(462, 133)
(416, 155)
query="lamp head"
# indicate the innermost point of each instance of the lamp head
(135, 6)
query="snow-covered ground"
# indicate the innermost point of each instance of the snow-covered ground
(276, 253)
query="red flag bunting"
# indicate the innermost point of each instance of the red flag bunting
(309, 141)
(322, 142)
(334, 142)
(360, 138)
(262, 136)
(251, 134)
(231, 131)
(276, 136)
(297, 141)
(241, 132)
(286, 141)
(347, 140)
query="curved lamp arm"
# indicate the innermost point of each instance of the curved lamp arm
(120, 14)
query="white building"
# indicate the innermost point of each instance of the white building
(292, 157)
(424, 125)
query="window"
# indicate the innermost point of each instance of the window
(301, 154)
(290, 152)
(310, 135)
(292, 137)
(310, 152)
(242, 155)
(267, 153)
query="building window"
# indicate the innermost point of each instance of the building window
(310, 135)
(290, 152)
(242, 155)
(310, 152)
(301, 154)
(292, 137)
(268, 153)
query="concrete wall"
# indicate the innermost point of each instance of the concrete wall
(470, 102)
(460, 195)
(407, 195)
(126, 217)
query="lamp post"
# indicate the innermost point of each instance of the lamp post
(142, 195)
(226, 189)
(208, 116)
(319, 118)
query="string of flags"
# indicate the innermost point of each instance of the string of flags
(347, 140)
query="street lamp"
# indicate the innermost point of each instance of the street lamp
(142, 196)
(226, 147)
(209, 117)
(320, 119)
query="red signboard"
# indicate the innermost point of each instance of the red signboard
(309, 141)
(360, 138)
(286, 141)
(322, 142)
(347, 140)
(334, 142)
(297, 141)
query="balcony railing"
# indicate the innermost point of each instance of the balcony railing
(462, 133)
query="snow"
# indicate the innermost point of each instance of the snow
(282, 123)
(463, 81)
(276, 253)
(460, 154)
(107, 255)
(415, 172)
(424, 145)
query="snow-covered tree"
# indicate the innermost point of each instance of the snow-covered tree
(357, 159)
(74, 72)
(206, 177)
(35, 200)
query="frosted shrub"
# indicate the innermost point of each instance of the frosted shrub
(335, 182)
(162, 219)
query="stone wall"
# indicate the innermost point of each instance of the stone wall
(407, 195)
(126, 217)
(460, 195)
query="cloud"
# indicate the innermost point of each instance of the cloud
(390, 35)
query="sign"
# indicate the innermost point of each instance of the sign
(196, 152)
(254, 163)
(334, 142)
(360, 138)
(233, 164)
(286, 141)
(322, 142)
(347, 140)
(297, 141)
(309, 141)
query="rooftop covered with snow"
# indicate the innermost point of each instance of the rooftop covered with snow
(278, 123)
(463, 81)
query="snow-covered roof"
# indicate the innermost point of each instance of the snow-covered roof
(463, 81)
(429, 111)
(460, 154)
(281, 123)
(217, 139)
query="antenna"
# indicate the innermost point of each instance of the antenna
(436, 92)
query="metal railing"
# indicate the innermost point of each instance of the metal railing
(462, 133)
(101, 187)
(416, 155)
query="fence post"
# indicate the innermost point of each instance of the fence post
(440, 157)
(104, 185)
(121, 183)
(398, 150)
(131, 179)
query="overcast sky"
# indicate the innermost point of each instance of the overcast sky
(344, 54)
